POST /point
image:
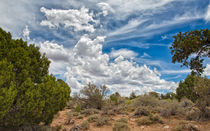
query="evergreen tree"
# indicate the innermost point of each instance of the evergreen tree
(28, 94)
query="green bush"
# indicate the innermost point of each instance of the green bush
(77, 108)
(121, 126)
(186, 88)
(28, 94)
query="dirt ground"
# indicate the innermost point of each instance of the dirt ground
(169, 124)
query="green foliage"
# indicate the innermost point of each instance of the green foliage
(132, 95)
(115, 98)
(28, 94)
(187, 44)
(186, 88)
(154, 94)
(94, 97)
(202, 88)
(78, 108)
(169, 95)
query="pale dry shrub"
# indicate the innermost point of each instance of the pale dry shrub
(121, 126)
(85, 125)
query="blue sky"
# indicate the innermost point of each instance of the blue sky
(122, 43)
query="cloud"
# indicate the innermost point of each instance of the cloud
(78, 19)
(125, 8)
(87, 63)
(186, 71)
(130, 27)
(207, 16)
(106, 8)
(54, 51)
(26, 33)
(207, 70)
(125, 53)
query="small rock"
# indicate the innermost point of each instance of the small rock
(75, 128)
(69, 122)
(142, 127)
(166, 127)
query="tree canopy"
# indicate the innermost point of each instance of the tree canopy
(189, 48)
(28, 94)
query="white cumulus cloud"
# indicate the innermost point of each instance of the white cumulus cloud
(106, 8)
(87, 63)
(123, 52)
(26, 33)
(79, 20)
(207, 17)
(207, 70)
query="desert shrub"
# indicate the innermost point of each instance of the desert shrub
(169, 95)
(94, 96)
(144, 120)
(123, 120)
(171, 107)
(156, 118)
(108, 112)
(85, 125)
(102, 121)
(132, 95)
(80, 116)
(29, 128)
(115, 98)
(193, 114)
(93, 118)
(121, 126)
(202, 88)
(58, 128)
(154, 94)
(141, 111)
(184, 126)
(28, 94)
(147, 120)
(77, 108)
(72, 114)
(146, 100)
(88, 112)
(186, 103)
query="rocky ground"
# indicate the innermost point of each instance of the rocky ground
(62, 121)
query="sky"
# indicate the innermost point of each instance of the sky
(123, 44)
